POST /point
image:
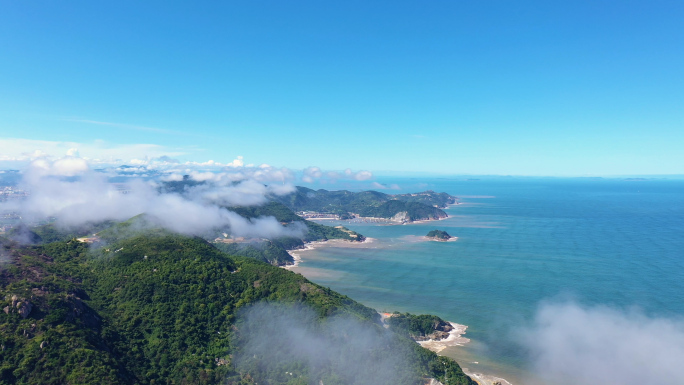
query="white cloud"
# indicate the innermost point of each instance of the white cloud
(363, 175)
(284, 337)
(90, 198)
(67, 166)
(312, 174)
(26, 150)
(208, 164)
(236, 163)
(380, 186)
(281, 189)
(73, 152)
(172, 178)
(574, 344)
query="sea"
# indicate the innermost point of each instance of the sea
(521, 242)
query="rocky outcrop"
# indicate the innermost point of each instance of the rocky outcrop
(25, 308)
(442, 329)
(401, 216)
(19, 305)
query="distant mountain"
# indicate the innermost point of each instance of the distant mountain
(426, 205)
(345, 204)
(273, 251)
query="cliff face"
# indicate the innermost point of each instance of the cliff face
(401, 216)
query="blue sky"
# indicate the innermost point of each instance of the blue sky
(448, 87)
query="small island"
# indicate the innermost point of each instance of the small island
(438, 235)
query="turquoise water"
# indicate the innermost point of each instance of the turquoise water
(520, 242)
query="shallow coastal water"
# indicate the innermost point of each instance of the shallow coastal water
(521, 242)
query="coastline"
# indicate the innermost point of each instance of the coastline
(327, 243)
(378, 221)
(456, 339)
(429, 220)
(423, 238)
(485, 379)
(452, 239)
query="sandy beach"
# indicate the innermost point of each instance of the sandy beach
(430, 220)
(484, 379)
(456, 339)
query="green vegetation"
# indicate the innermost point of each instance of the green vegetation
(429, 198)
(414, 211)
(130, 228)
(419, 327)
(275, 251)
(49, 232)
(439, 235)
(419, 206)
(267, 251)
(157, 309)
(331, 345)
(179, 187)
(284, 215)
(271, 251)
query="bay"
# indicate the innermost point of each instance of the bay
(521, 242)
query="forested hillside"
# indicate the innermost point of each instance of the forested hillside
(419, 206)
(272, 251)
(168, 309)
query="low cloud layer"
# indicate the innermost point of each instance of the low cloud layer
(380, 186)
(290, 341)
(26, 150)
(155, 161)
(75, 188)
(574, 344)
(313, 174)
(4, 256)
(68, 190)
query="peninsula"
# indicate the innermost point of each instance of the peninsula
(343, 205)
